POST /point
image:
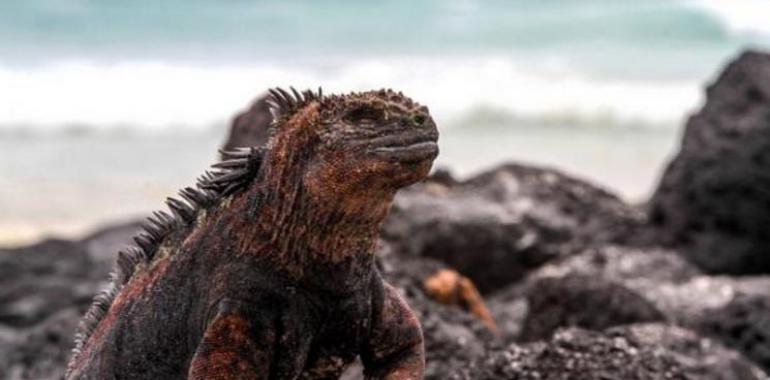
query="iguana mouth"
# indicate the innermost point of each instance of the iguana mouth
(407, 149)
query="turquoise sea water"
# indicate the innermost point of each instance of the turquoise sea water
(107, 106)
(224, 31)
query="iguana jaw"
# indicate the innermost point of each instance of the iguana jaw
(407, 147)
(414, 153)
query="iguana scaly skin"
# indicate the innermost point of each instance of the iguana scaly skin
(267, 270)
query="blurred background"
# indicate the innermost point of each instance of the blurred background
(107, 107)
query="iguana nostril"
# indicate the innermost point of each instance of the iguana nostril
(419, 119)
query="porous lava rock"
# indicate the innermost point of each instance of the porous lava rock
(578, 354)
(743, 324)
(499, 225)
(623, 263)
(604, 287)
(580, 301)
(701, 358)
(593, 289)
(568, 292)
(713, 198)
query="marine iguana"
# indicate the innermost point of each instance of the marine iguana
(266, 269)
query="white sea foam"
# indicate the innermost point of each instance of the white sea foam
(153, 95)
(743, 16)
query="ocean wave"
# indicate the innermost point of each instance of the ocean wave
(741, 16)
(162, 95)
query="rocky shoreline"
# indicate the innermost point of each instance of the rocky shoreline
(578, 284)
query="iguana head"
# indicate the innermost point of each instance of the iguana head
(356, 146)
(377, 139)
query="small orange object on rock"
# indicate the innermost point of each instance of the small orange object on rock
(451, 288)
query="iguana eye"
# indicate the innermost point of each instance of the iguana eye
(365, 114)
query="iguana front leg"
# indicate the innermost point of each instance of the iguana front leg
(234, 347)
(395, 349)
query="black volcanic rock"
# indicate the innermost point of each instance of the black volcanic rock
(41, 352)
(634, 352)
(701, 358)
(250, 127)
(623, 263)
(610, 286)
(44, 290)
(569, 291)
(580, 301)
(499, 225)
(577, 292)
(578, 354)
(38, 280)
(744, 324)
(714, 197)
(687, 302)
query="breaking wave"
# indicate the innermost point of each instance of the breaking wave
(156, 95)
(741, 16)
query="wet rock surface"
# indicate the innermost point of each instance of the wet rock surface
(712, 201)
